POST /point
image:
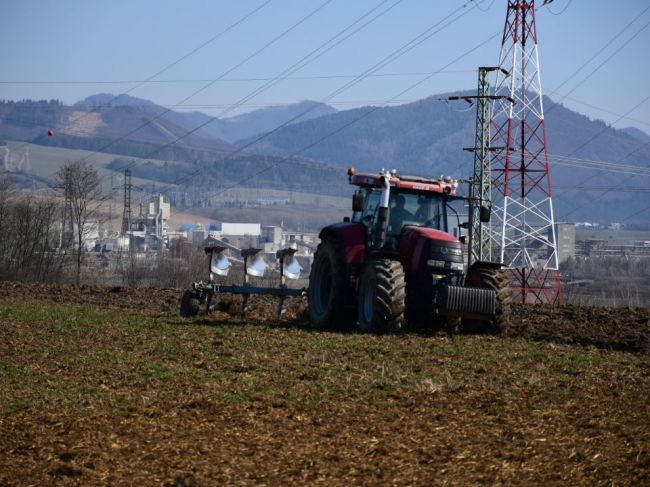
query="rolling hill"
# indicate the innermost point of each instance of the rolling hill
(426, 137)
(227, 129)
(113, 126)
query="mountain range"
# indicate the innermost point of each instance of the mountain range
(228, 129)
(425, 137)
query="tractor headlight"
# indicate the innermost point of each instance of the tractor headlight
(435, 263)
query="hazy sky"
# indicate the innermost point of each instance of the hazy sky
(69, 49)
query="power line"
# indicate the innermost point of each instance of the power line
(643, 210)
(429, 32)
(603, 62)
(486, 8)
(379, 65)
(637, 171)
(343, 127)
(206, 86)
(185, 56)
(182, 58)
(576, 208)
(307, 59)
(605, 110)
(586, 180)
(597, 53)
(593, 71)
(293, 155)
(561, 11)
(603, 188)
(595, 162)
(224, 80)
(476, 5)
(597, 134)
(605, 169)
(299, 64)
(201, 46)
(269, 104)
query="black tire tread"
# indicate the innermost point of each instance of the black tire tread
(389, 298)
(497, 280)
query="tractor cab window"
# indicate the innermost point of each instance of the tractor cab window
(370, 211)
(424, 210)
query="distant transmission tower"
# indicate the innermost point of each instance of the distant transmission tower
(523, 228)
(126, 218)
(111, 194)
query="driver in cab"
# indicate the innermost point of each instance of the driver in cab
(398, 214)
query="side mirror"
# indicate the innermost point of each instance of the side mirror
(485, 213)
(358, 201)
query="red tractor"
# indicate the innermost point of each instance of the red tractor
(394, 261)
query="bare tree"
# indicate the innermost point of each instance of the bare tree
(6, 191)
(80, 184)
(27, 234)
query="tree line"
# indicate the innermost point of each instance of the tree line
(43, 238)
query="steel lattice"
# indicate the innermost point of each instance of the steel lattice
(523, 230)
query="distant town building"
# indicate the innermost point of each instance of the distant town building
(565, 238)
(199, 234)
(235, 229)
(271, 234)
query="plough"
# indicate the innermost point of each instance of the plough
(207, 293)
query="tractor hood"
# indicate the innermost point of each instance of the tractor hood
(411, 232)
(419, 245)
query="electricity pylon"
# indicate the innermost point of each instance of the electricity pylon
(523, 229)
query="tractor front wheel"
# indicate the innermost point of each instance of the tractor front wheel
(381, 297)
(499, 282)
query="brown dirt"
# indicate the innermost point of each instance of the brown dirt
(91, 395)
(610, 328)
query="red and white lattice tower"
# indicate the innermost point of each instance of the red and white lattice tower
(523, 231)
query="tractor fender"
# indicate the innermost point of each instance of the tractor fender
(413, 242)
(351, 239)
(473, 275)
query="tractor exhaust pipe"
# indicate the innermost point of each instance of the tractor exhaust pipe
(382, 217)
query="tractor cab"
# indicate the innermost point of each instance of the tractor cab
(412, 201)
(427, 210)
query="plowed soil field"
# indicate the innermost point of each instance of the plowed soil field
(610, 328)
(108, 386)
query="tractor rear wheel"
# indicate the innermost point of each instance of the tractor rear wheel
(190, 303)
(328, 287)
(381, 297)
